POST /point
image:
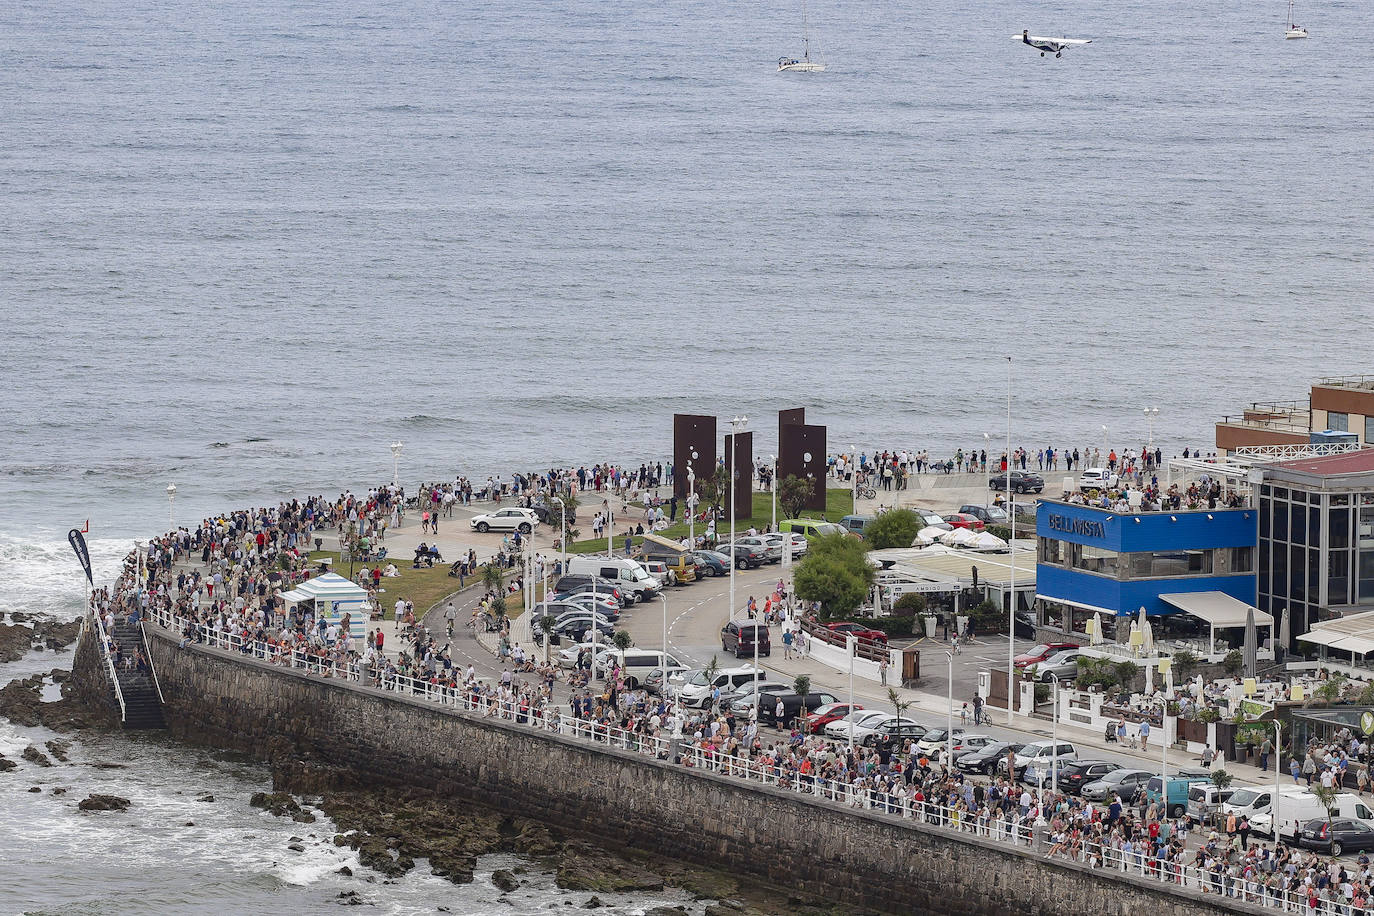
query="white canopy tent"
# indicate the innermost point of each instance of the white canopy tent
(1220, 610)
(333, 597)
(1353, 633)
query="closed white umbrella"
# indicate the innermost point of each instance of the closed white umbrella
(1251, 643)
(1147, 646)
(931, 533)
(1093, 629)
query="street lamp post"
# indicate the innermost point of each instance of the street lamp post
(1011, 603)
(773, 489)
(854, 476)
(1104, 446)
(1054, 737)
(1278, 757)
(396, 464)
(949, 714)
(171, 498)
(987, 471)
(851, 642)
(1151, 414)
(691, 506)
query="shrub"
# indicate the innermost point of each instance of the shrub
(894, 528)
(1126, 672)
(900, 626)
(1233, 662)
(912, 602)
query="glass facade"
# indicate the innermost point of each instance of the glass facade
(1316, 550)
(1176, 564)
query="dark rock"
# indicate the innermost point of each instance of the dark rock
(593, 903)
(96, 802)
(35, 788)
(345, 871)
(58, 747)
(281, 804)
(666, 911)
(59, 790)
(206, 798)
(295, 847)
(189, 824)
(15, 641)
(57, 634)
(349, 898)
(585, 868)
(34, 755)
(504, 880)
(6, 763)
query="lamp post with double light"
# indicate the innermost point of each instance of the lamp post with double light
(396, 464)
(171, 498)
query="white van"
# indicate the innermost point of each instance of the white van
(1249, 801)
(696, 690)
(635, 664)
(626, 573)
(1296, 810)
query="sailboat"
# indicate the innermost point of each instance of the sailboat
(1294, 30)
(805, 64)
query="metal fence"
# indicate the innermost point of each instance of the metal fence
(987, 823)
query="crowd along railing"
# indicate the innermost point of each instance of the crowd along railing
(987, 822)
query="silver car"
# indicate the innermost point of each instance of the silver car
(771, 550)
(1063, 665)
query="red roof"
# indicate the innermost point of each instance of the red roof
(1357, 462)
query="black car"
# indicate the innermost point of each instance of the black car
(746, 557)
(578, 627)
(895, 735)
(985, 759)
(793, 705)
(739, 638)
(1074, 775)
(576, 584)
(1021, 482)
(711, 563)
(1336, 837)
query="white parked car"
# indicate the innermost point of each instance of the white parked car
(776, 539)
(853, 721)
(522, 520)
(1037, 756)
(772, 552)
(1097, 479)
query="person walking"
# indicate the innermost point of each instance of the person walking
(1309, 770)
(882, 671)
(1145, 735)
(1266, 749)
(786, 643)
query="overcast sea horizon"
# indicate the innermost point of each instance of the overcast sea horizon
(245, 247)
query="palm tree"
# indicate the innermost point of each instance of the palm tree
(491, 576)
(897, 702)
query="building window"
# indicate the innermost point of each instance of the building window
(1369, 430)
(1052, 552)
(1094, 559)
(1173, 564)
(1242, 559)
(1338, 421)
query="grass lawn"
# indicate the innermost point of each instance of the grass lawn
(424, 587)
(839, 503)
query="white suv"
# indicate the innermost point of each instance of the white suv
(1097, 479)
(1038, 755)
(522, 520)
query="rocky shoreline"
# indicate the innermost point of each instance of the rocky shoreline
(393, 830)
(24, 632)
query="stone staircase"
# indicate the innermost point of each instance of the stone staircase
(142, 704)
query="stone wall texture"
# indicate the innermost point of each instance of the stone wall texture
(624, 800)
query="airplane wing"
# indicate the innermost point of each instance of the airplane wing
(1074, 41)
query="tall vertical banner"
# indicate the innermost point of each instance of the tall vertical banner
(78, 542)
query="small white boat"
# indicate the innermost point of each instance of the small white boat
(804, 64)
(1294, 30)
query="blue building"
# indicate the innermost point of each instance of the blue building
(1191, 570)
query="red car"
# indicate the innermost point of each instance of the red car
(845, 628)
(1041, 652)
(824, 715)
(964, 520)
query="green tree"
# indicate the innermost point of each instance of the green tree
(1126, 672)
(793, 494)
(802, 684)
(836, 573)
(1184, 664)
(713, 487)
(1233, 662)
(1327, 796)
(491, 576)
(897, 702)
(622, 640)
(1221, 779)
(912, 603)
(894, 528)
(498, 607)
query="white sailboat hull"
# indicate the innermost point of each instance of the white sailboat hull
(800, 66)
(1295, 33)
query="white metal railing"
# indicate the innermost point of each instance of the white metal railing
(109, 665)
(152, 669)
(1011, 825)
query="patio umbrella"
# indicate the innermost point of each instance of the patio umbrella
(1251, 643)
(1219, 761)
(1283, 632)
(1147, 646)
(920, 540)
(931, 533)
(963, 537)
(1094, 630)
(950, 537)
(1149, 680)
(986, 541)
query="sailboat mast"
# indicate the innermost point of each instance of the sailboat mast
(806, 32)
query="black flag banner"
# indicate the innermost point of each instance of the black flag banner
(78, 542)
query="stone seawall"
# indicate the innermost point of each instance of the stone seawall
(624, 800)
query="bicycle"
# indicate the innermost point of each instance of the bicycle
(866, 492)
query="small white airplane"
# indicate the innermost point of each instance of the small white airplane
(1057, 45)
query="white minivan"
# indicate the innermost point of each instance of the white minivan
(626, 573)
(696, 690)
(1296, 810)
(635, 664)
(1033, 762)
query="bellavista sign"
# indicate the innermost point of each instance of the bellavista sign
(1080, 526)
